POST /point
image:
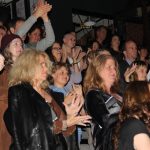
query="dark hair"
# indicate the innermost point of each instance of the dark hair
(113, 35)
(3, 27)
(99, 28)
(34, 27)
(90, 45)
(136, 102)
(146, 48)
(128, 41)
(49, 51)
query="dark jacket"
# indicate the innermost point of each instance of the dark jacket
(104, 110)
(28, 119)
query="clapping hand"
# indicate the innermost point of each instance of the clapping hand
(75, 52)
(77, 89)
(69, 97)
(74, 107)
(129, 71)
(42, 8)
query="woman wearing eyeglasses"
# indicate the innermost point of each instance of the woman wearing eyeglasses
(55, 52)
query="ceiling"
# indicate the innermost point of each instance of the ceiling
(103, 12)
(110, 8)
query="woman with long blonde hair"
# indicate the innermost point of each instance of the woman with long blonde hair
(33, 118)
(28, 117)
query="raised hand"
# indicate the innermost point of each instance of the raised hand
(42, 9)
(45, 15)
(40, 2)
(75, 52)
(129, 71)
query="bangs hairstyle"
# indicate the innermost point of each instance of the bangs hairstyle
(55, 67)
(92, 78)
(25, 67)
(8, 55)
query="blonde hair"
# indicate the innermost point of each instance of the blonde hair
(25, 67)
(92, 78)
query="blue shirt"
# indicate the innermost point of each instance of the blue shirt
(57, 89)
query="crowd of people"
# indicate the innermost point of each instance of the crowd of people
(51, 90)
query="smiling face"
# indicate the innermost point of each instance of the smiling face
(108, 73)
(57, 51)
(61, 77)
(34, 36)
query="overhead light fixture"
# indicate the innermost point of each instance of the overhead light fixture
(89, 22)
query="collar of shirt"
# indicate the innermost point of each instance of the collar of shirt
(57, 89)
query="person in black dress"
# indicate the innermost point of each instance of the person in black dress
(132, 131)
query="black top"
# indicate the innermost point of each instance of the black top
(104, 110)
(117, 55)
(28, 119)
(129, 129)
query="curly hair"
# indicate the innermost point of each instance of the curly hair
(25, 67)
(92, 78)
(136, 103)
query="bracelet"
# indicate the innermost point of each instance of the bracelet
(75, 62)
(64, 123)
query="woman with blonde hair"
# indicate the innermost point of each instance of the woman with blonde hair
(133, 128)
(102, 98)
(29, 118)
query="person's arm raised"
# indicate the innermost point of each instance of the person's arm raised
(43, 44)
